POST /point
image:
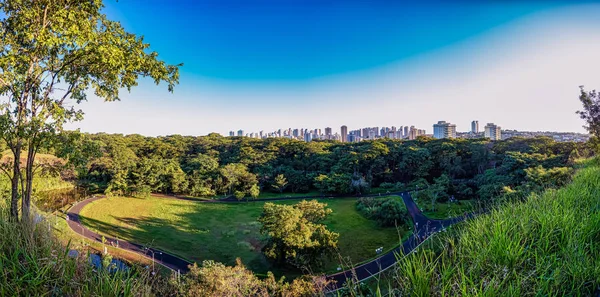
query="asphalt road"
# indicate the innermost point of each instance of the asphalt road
(423, 228)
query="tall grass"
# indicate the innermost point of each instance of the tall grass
(34, 263)
(548, 245)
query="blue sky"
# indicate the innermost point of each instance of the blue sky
(264, 65)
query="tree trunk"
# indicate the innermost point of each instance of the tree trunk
(26, 199)
(14, 199)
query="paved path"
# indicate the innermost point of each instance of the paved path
(170, 261)
(423, 228)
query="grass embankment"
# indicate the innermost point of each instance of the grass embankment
(223, 232)
(548, 245)
(34, 263)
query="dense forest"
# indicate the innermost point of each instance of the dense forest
(244, 167)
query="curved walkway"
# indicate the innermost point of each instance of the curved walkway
(423, 228)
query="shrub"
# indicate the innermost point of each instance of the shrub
(388, 212)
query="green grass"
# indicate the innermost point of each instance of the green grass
(266, 195)
(223, 232)
(34, 263)
(450, 209)
(548, 245)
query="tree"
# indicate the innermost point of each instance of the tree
(435, 191)
(591, 114)
(51, 53)
(280, 183)
(237, 178)
(254, 191)
(215, 279)
(294, 235)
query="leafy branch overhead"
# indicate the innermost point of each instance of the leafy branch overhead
(52, 54)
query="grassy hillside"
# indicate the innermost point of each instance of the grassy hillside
(548, 245)
(34, 263)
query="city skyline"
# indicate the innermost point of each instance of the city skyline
(514, 63)
(441, 129)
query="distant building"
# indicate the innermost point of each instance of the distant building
(231, 133)
(444, 130)
(475, 126)
(344, 132)
(307, 137)
(240, 133)
(413, 133)
(406, 128)
(493, 131)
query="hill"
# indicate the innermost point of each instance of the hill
(547, 245)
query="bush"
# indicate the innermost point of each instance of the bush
(388, 212)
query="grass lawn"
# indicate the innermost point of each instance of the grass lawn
(448, 209)
(225, 231)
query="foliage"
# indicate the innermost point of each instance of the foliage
(214, 165)
(591, 114)
(294, 235)
(280, 183)
(388, 211)
(215, 279)
(52, 53)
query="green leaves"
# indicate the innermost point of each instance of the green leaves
(294, 233)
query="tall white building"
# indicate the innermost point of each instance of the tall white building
(493, 131)
(475, 126)
(444, 130)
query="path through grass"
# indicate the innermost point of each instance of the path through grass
(224, 231)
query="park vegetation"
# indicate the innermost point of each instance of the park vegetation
(243, 167)
(546, 245)
(388, 212)
(51, 55)
(295, 235)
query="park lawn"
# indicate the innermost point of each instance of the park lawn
(224, 231)
(448, 210)
(267, 195)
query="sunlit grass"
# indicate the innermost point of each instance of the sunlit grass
(222, 232)
(548, 245)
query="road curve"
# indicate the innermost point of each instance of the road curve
(423, 228)
(170, 261)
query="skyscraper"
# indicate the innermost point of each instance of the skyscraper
(231, 133)
(412, 133)
(405, 131)
(328, 133)
(475, 126)
(344, 132)
(444, 130)
(240, 133)
(493, 131)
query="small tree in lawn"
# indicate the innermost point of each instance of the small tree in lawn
(280, 183)
(239, 195)
(295, 234)
(52, 53)
(254, 191)
(438, 189)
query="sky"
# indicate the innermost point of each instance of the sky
(265, 65)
